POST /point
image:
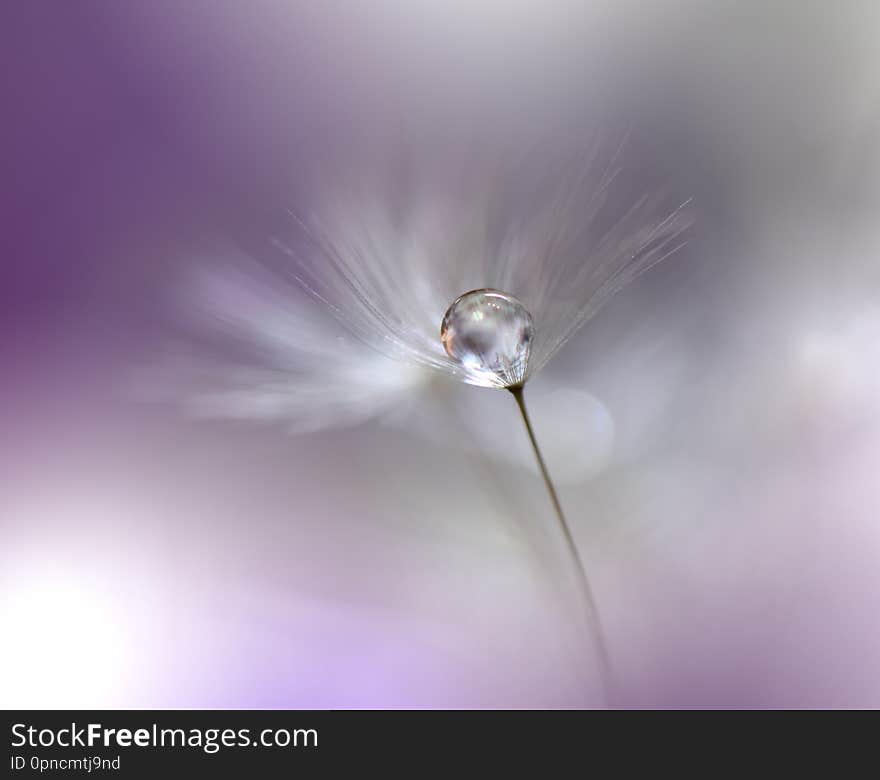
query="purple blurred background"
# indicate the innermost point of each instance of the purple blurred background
(732, 519)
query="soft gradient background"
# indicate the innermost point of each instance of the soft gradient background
(729, 508)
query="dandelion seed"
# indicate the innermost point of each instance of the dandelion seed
(525, 260)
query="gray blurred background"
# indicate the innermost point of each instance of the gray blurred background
(720, 442)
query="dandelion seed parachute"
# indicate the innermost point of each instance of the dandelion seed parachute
(382, 255)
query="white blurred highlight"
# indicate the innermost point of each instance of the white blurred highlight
(82, 609)
(66, 641)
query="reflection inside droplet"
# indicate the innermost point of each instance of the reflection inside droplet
(489, 333)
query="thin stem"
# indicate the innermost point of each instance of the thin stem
(592, 613)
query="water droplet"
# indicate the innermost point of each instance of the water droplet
(489, 333)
